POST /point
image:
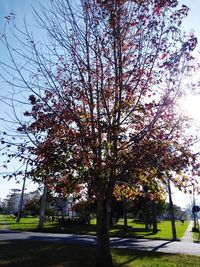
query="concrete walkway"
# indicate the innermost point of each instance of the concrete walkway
(127, 243)
(4, 226)
(188, 237)
(163, 246)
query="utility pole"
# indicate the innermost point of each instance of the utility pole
(194, 213)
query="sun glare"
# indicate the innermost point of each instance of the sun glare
(190, 105)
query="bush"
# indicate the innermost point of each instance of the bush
(73, 221)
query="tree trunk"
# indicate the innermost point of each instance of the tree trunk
(154, 217)
(145, 216)
(42, 207)
(194, 213)
(125, 215)
(22, 195)
(103, 252)
(172, 212)
(21, 201)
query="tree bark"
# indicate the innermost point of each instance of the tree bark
(21, 201)
(22, 195)
(125, 215)
(174, 237)
(42, 207)
(154, 217)
(103, 252)
(145, 216)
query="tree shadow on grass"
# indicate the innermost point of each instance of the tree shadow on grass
(29, 253)
(130, 256)
(138, 232)
(54, 228)
(69, 229)
(45, 254)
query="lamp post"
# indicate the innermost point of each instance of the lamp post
(194, 210)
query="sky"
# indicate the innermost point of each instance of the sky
(22, 8)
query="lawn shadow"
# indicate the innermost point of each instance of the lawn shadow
(134, 232)
(44, 254)
(133, 255)
(23, 253)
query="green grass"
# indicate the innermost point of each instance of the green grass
(26, 224)
(46, 254)
(135, 229)
(196, 237)
(196, 233)
(1, 222)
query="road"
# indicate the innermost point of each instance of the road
(130, 243)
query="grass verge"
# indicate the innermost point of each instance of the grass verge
(137, 229)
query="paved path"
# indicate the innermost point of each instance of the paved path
(188, 236)
(131, 243)
(4, 226)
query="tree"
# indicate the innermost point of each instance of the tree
(33, 206)
(103, 86)
(178, 212)
(83, 211)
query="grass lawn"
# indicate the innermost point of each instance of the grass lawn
(46, 254)
(196, 237)
(135, 229)
(26, 224)
(1, 222)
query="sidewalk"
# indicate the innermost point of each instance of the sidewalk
(187, 237)
(163, 246)
(4, 226)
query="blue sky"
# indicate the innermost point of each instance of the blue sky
(22, 8)
(193, 19)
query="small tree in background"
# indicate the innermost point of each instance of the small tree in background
(33, 207)
(83, 211)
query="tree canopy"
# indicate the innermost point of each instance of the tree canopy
(103, 88)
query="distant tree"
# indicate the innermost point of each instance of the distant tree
(117, 210)
(179, 213)
(142, 208)
(33, 207)
(83, 211)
